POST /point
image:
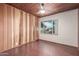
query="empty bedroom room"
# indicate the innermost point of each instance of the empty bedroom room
(39, 29)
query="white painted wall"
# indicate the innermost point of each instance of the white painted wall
(67, 28)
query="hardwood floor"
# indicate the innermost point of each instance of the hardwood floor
(43, 48)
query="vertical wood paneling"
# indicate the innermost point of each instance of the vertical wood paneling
(5, 27)
(30, 27)
(24, 27)
(13, 27)
(78, 29)
(21, 28)
(12, 10)
(27, 27)
(16, 27)
(9, 29)
(36, 28)
(1, 28)
(33, 28)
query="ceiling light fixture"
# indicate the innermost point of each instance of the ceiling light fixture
(42, 10)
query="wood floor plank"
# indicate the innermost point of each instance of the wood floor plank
(43, 48)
